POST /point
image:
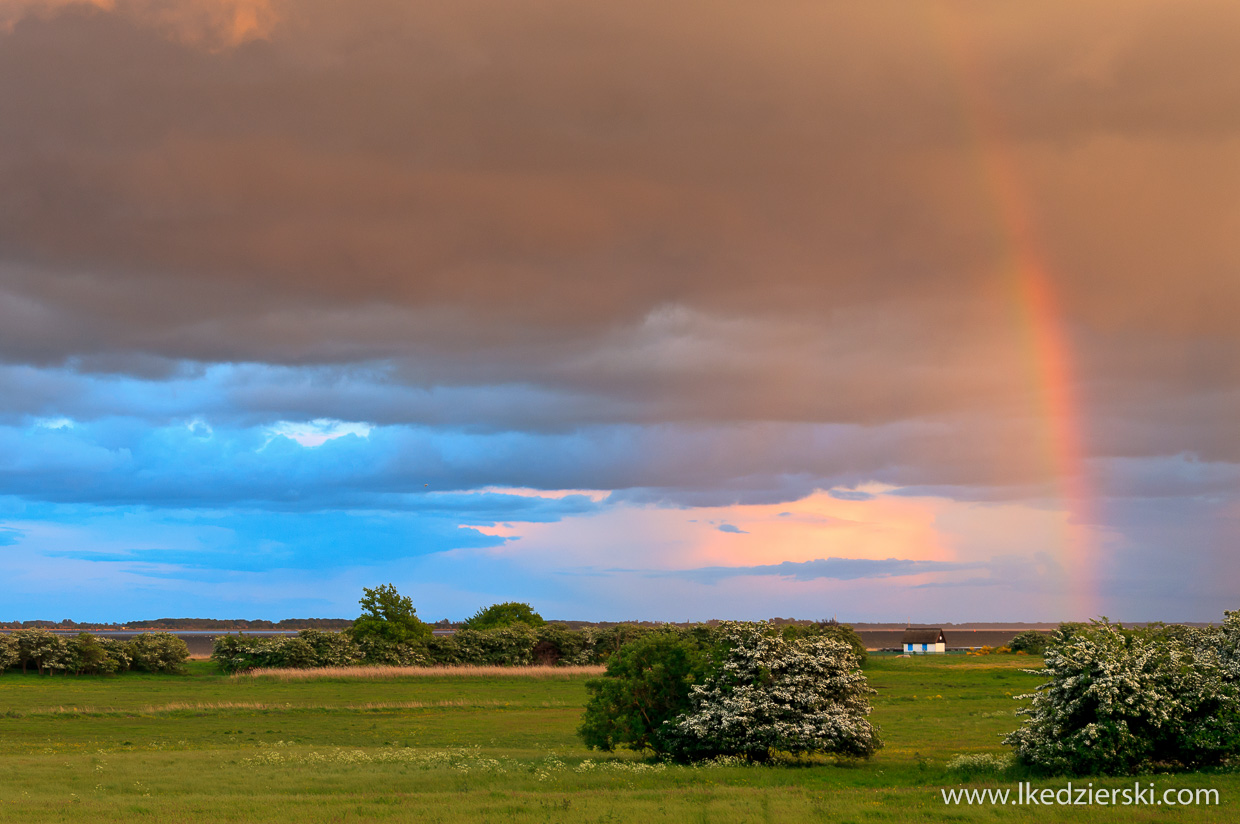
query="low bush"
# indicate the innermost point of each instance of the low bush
(1121, 701)
(1030, 641)
(644, 692)
(768, 694)
(157, 652)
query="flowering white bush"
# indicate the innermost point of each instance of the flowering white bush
(1120, 701)
(8, 651)
(47, 651)
(770, 694)
(1228, 646)
(90, 654)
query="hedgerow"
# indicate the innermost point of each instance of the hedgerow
(89, 654)
(309, 648)
(513, 645)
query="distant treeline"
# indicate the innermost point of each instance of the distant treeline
(189, 624)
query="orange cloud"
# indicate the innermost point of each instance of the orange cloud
(821, 526)
(876, 526)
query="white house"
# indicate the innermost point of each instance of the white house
(923, 641)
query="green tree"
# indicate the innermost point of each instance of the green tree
(388, 617)
(645, 689)
(503, 615)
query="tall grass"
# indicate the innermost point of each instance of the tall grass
(539, 672)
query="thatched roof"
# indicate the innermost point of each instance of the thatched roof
(923, 635)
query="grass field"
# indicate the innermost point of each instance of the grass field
(488, 748)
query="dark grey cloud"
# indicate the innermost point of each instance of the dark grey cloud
(850, 495)
(568, 167)
(769, 237)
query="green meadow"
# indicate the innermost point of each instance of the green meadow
(456, 748)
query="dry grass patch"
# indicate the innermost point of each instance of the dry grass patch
(422, 672)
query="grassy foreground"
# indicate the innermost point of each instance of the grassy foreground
(488, 748)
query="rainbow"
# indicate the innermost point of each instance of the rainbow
(1037, 315)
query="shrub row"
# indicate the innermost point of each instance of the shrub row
(515, 645)
(87, 654)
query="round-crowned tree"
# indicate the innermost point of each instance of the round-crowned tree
(503, 615)
(388, 618)
(769, 694)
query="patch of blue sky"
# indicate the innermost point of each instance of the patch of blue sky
(243, 541)
(119, 461)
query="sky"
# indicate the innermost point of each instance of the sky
(640, 310)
